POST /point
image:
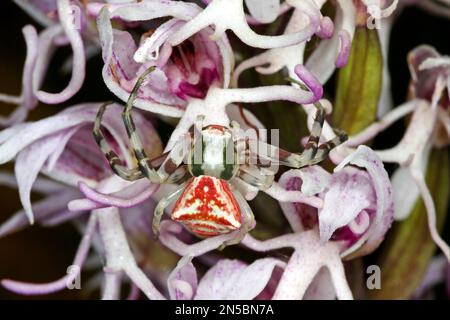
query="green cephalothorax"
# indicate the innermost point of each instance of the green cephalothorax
(213, 153)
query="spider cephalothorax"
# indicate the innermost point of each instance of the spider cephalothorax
(214, 158)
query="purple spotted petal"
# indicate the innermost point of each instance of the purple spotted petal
(349, 195)
(365, 158)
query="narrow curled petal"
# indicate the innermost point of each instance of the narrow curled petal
(129, 196)
(27, 100)
(310, 80)
(168, 238)
(344, 50)
(67, 18)
(213, 15)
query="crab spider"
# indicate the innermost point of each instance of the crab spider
(206, 162)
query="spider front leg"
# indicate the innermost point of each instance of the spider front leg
(176, 155)
(161, 206)
(325, 148)
(248, 220)
(313, 152)
(113, 158)
(256, 176)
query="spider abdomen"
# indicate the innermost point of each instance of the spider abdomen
(207, 207)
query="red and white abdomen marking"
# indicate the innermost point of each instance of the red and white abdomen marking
(207, 207)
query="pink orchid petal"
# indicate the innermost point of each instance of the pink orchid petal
(28, 164)
(67, 18)
(405, 191)
(234, 280)
(52, 205)
(107, 40)
(314, 179)
(366, 158)
(41, 185)
(38, 10)
(311, 181)
(27, 98)
(119, 256)
(31, 132)
(46, 49)
(333, 52)
(20, 136)
(150, 47)
(236, 22)
(308, 258)
(182, 281)
(350, 192)
(344, 51)
(129, 196)
(424, 81)
(321, 287)
(168, 238)
(283, 195)
(326, 28)
(149, 10)
(246, 119)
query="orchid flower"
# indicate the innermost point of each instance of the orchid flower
(237, 23)
(175, 62)
(357, 211)
(429, 125)
(331, 52)
(226, 280)
(66, 23)
(62, 148)
(82, 185)
(184, 71)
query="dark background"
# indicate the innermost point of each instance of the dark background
(41, 255)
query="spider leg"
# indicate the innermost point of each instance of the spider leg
(313, 142)
(325, 148)
(176, 155)
(259, 177)
(248, 220)
(113, 159)
(315, 153)
(161, 206)
(312, 154)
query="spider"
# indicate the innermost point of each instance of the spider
(207, 162)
